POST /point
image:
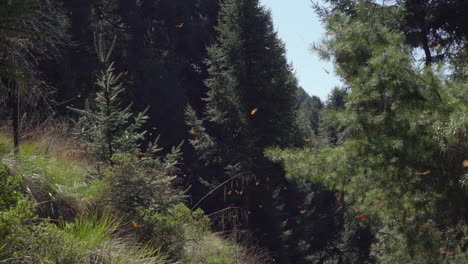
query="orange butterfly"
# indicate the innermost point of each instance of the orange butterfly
(229, 166)
(341, 196)
(437, 47)
(446, 252)
(135, 224)
(180, 25)
(330, 34)
(97, 98)
(362, 217)
(423, 173)
(230, 192)
(193, 131)
(338, 63)
(257, 182)
(307, 139)
(254, 111)
(302, 211)
(465, 163)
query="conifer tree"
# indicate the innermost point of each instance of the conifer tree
(401, 165)
(251, 103)
(107, 126)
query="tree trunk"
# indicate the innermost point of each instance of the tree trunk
(426, 48)
(14, 106)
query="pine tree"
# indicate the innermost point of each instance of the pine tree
(251, 104)
(401, 164)
(108, 127)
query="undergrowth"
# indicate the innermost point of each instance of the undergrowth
(53, 209)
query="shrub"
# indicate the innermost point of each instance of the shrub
(172, 230)
(88, 240)
(15, 210)
(143, 186)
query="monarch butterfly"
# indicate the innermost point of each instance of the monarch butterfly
(338, 63)
(446, 252)
(97, 98)
(330, 34)
(257, 182)
(307, 139)
(193, 131)
(302, 211)
(180, 25)
(229, 166)
(254, 111)
(465, 163)
(423, 173)
(230, 192)
(362, 217)
(341, 195)
(437, 47)
(135, 224)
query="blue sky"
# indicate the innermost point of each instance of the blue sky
(298, 26)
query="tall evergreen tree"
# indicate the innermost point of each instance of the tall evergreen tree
(401, 164)
(251, 104)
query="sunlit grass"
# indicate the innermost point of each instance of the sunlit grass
(69, 176)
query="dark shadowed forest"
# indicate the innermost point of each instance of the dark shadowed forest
(176, 131)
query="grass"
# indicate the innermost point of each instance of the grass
(62, 174)
(58, 181)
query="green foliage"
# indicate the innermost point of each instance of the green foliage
(309, 112)
(401, 162)
(213, 250)
(87, 240)
(141, 186)
(109, 127)
(91, 230)
(174, 229)
(251, 103)
(186, 235)
(15, 211)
